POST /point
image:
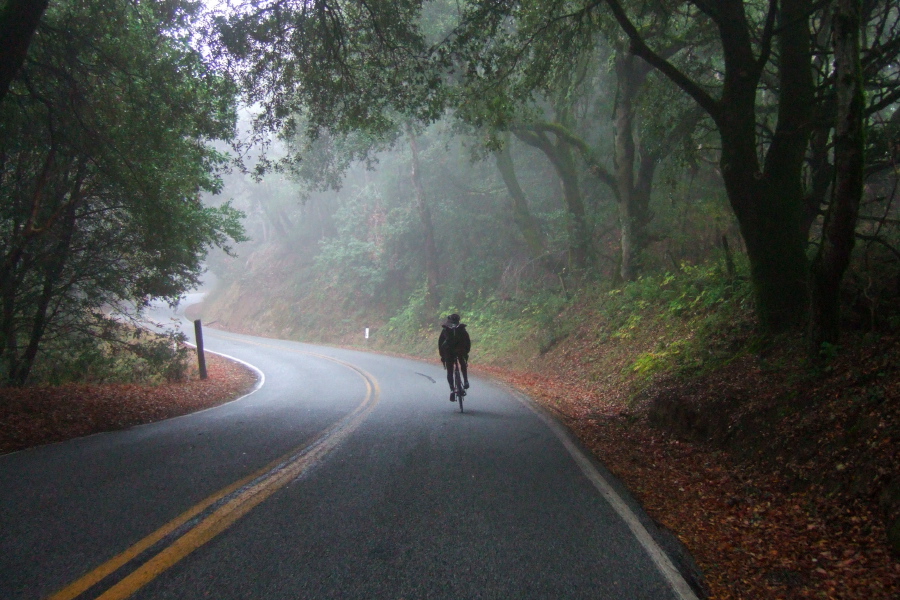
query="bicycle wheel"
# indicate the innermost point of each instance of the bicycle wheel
(457, 380)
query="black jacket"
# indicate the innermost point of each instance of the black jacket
(454, 342)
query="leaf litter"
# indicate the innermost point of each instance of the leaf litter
(33, 416)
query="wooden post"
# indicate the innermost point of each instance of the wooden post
(201, 357)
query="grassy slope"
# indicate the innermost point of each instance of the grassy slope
(782, 480)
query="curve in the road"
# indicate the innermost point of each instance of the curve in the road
(210, 517)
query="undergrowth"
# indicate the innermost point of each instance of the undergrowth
(500, 327)
(111, 352)
(671, 322)
(705, 318)
(676, 320)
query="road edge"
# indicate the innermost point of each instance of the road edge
(668, 554)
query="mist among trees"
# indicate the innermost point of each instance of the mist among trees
(449, 153)
(405, 159)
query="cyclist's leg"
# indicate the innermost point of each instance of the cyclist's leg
(449, 364)
(451, 361)
(463, 366)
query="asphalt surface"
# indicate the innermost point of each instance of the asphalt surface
(356, 478)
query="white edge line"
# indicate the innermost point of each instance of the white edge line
(259, 383)
(677, 582)
(660, 559)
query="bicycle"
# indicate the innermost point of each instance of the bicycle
(458, 391)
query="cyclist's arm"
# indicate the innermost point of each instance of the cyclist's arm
(441, 349)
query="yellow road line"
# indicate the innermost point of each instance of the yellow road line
(224, 516)
(87, 581)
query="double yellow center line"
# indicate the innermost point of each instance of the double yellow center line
(145, 560)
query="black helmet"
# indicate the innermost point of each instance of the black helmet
(454, 318)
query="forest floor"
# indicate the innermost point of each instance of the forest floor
(766, 514)
(35, 416)
(779, 480)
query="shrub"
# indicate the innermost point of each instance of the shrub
(112, 352)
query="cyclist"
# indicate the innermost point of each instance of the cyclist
(454, 344)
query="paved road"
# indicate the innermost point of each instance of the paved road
(345, 475)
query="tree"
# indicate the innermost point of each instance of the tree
(766, 196)
(833, 255)
(103, 154)
(336, 67)
(562, 157)
(638, 155)
(521, 214)
(559, 55)
(764, 172)
(340, 69)
(767, 94)
(432, 276)
(18, 21)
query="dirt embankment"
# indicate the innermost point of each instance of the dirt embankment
(782, 481)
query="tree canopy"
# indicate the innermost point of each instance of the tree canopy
(105, 146)
(760, 73)
(630, 116)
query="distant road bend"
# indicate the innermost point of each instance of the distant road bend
(346, 475)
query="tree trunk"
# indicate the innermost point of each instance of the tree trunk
(778, 263)
(10, 343)
(11, 270)
(18, 21)
(771, 227)
(522, 217)
(560, 156)
(821, 176)
(52, 272)
(635, 164)
(840, 225)
(578, 229)
(432, 300)
(635, 216)
(768, 203)
(630, 74)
